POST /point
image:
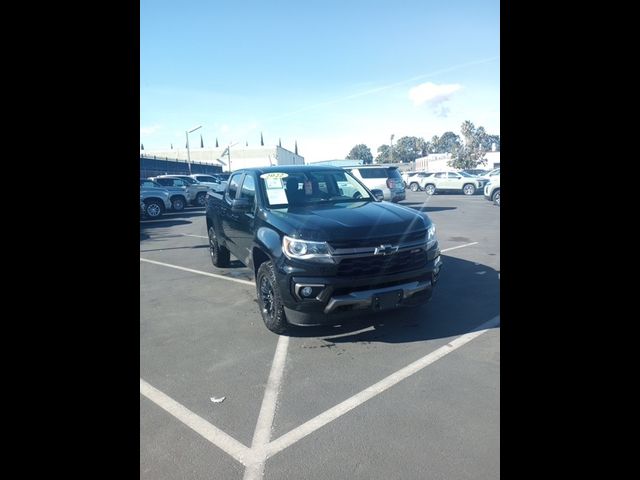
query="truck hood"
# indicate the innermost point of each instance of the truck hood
(347, 221)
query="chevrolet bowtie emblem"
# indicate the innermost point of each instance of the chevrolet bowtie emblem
(385, 250)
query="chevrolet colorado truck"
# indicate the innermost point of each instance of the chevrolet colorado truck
(321, 246)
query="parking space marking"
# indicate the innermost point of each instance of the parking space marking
(197, 236)
(459, 246)
(216, 436)
(222, 277)
(321, 420)
(262, 433)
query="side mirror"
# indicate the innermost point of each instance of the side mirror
(378, 194)
(240, 205)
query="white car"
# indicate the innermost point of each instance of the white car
(417, 181)
(383, 177)
(211, 181)
(492, 190)
(453, 181)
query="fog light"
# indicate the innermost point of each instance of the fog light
(306, 291)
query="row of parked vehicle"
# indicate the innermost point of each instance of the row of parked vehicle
(174, 192)
(462, 181)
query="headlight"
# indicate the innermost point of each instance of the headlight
(305, 249)
(431, 236)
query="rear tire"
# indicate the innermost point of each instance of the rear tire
(430, 189)
(269, 299)
(414, 187)
(219, 255)
(178, 204)
(201, 199)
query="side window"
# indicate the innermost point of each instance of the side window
(249, 190)
(440, 175)
(179, 183)
(454, 175)
(234, 183)
(147, 184)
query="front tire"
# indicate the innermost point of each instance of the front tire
(469, 189)
(496, 197)
(201, 199)
(219, 255)
(270, 300)
(414, 187)
(430, 189)
(153, 208)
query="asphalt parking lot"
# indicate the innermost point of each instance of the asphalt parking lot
(411, 394)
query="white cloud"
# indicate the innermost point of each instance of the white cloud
(433, 94)
(149, 130)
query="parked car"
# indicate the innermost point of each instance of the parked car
(453, 181)
(476, 171)
(417, 181)
(195, 190)
(214, 182)
(492, 173)
(177, 191)
(405, 176)
(382, 177)
(319, 255)
(492, 190)
(156, 201)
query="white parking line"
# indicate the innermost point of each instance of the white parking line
(321, 420)
(255, 457)
(459, 246)
(262, 433)
(222, 277)
(216, 436)
(197, 236)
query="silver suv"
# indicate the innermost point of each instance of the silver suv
(196, 192)
(155, 200)
(177, 193)
(383, 177)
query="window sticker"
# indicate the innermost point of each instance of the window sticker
(275, 187)
(273, 182)
(277, 196)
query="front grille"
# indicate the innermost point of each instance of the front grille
(395, 240)
(382, 264)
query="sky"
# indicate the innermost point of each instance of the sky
(326, 74)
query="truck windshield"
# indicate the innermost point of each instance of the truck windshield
(312, 187)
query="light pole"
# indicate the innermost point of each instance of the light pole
(228, 152)
(189, 153)
(391, 149)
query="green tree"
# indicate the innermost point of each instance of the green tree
(361, 152)
(407, 149)
(448, 142)
(383, 154)
(471, 154)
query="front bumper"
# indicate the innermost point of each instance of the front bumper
(343, 298)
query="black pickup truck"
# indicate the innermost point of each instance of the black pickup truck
(322, 247)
